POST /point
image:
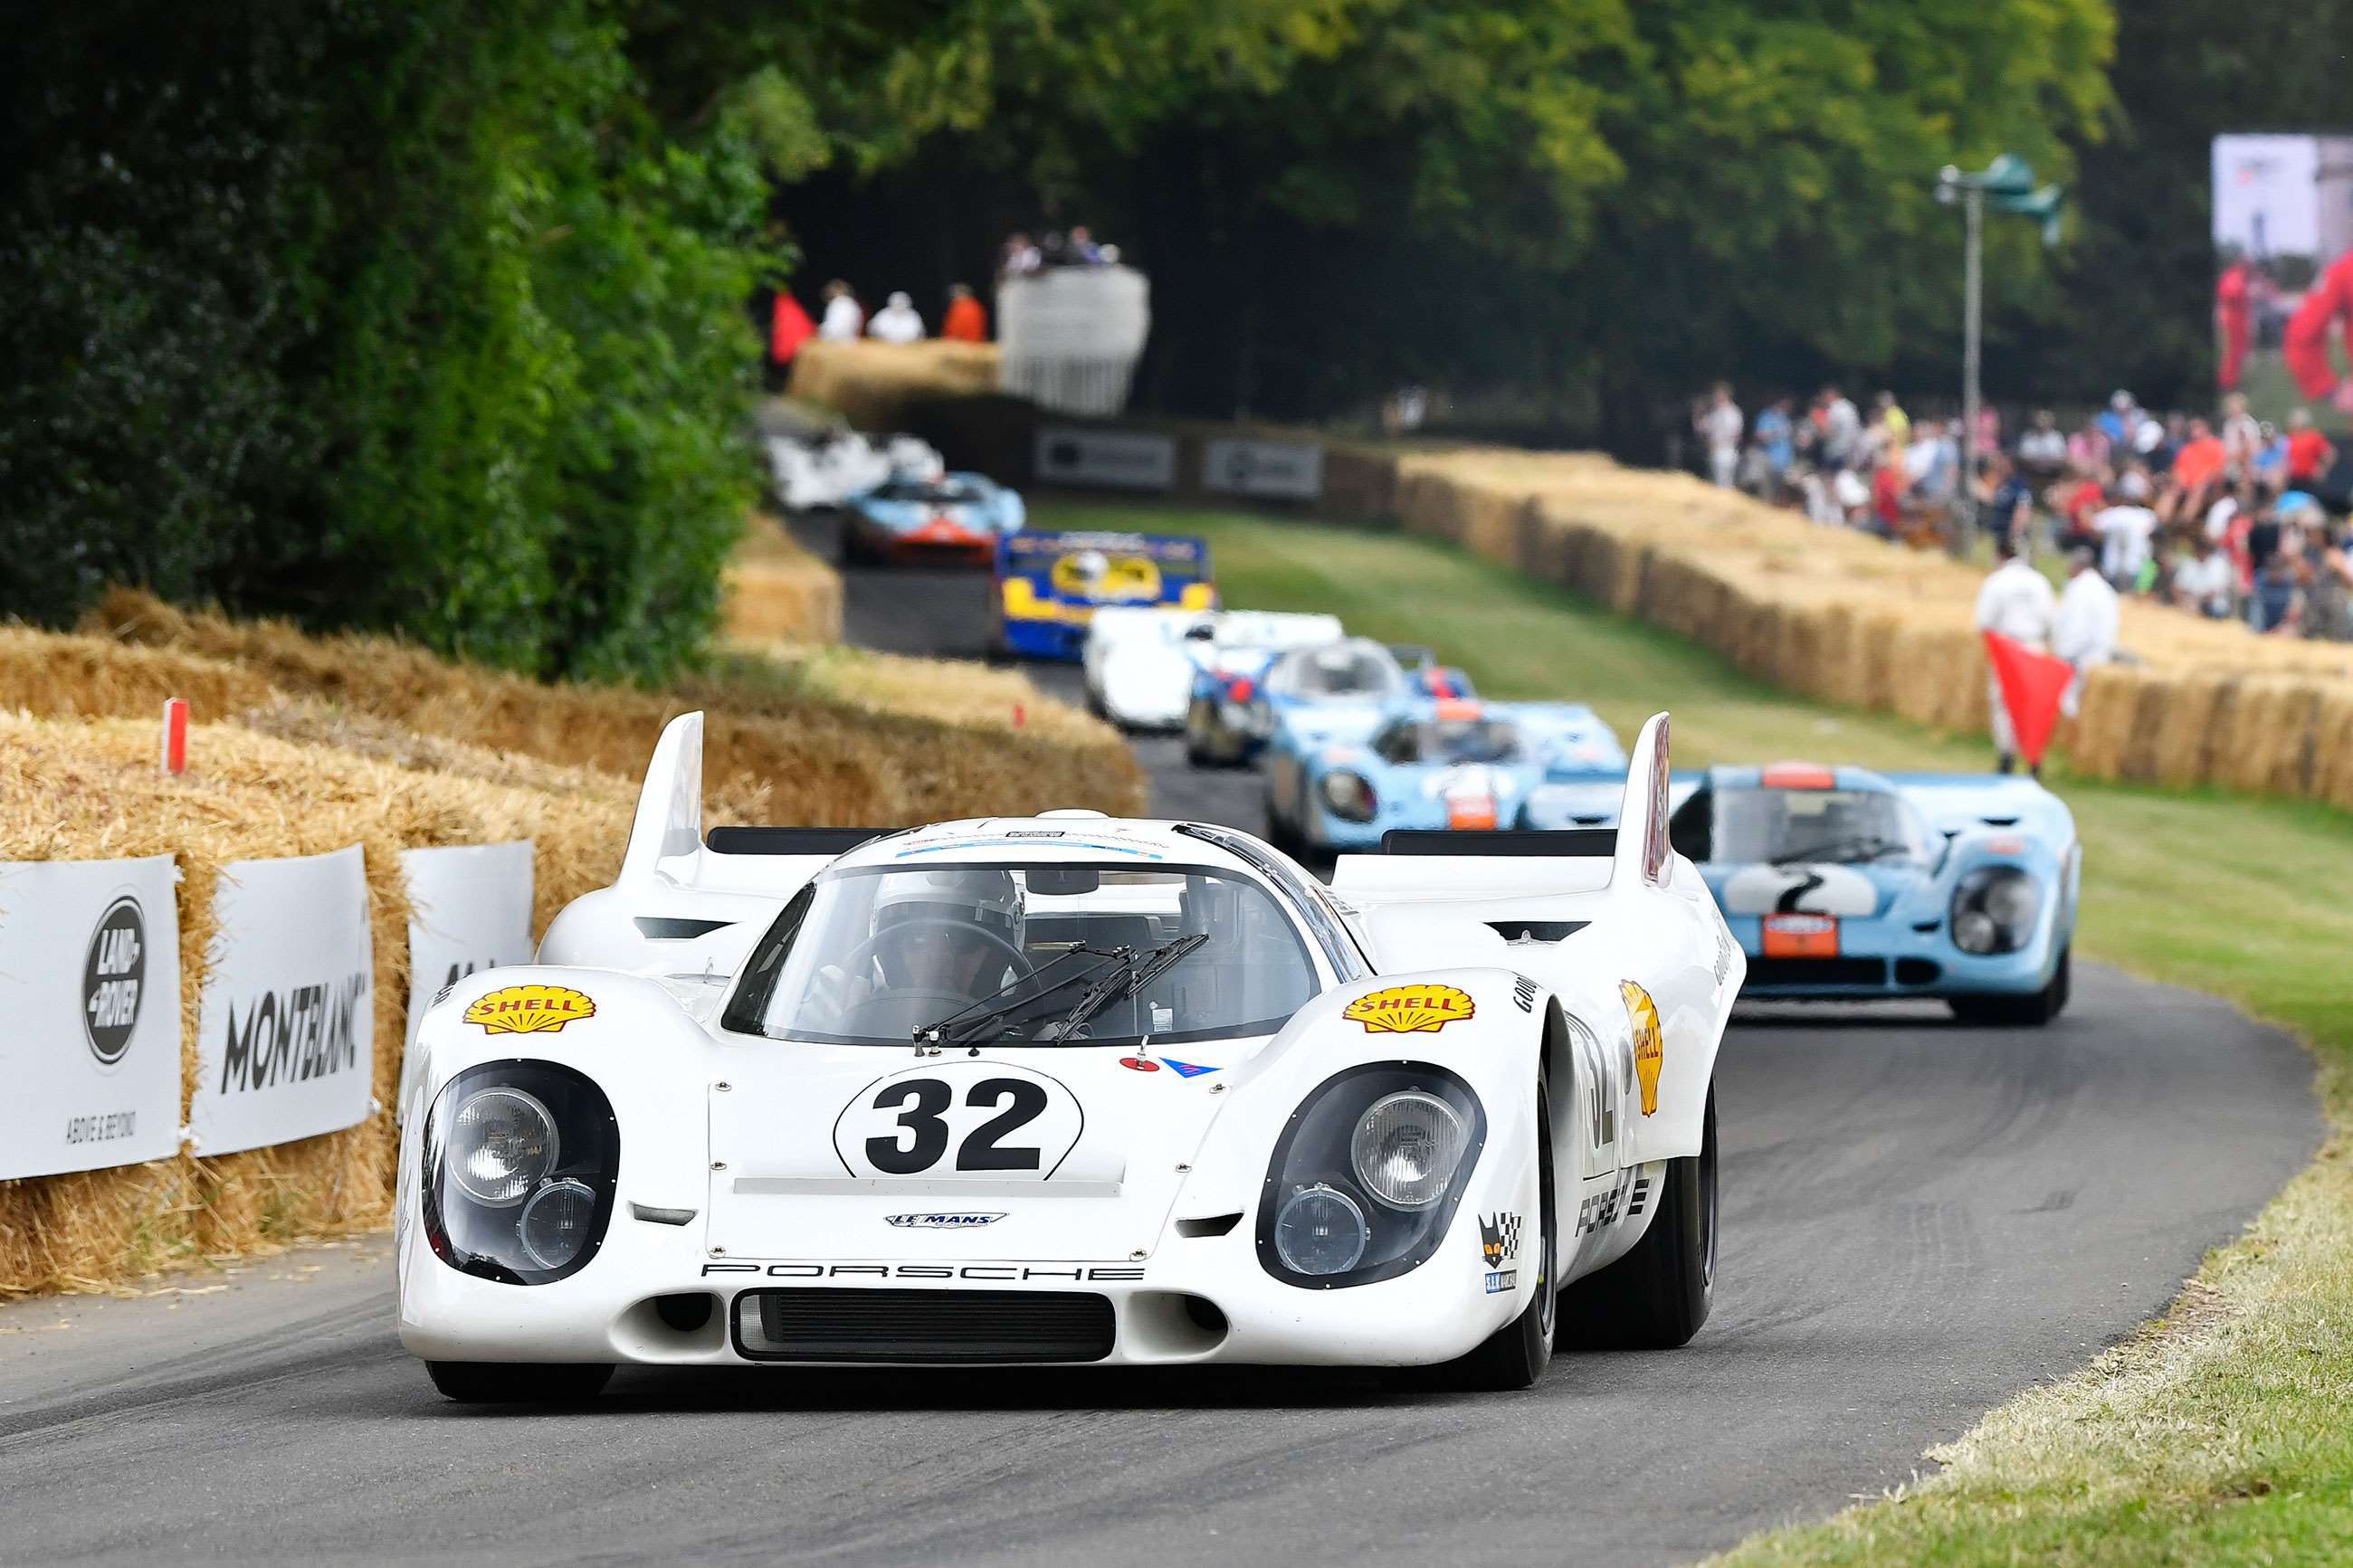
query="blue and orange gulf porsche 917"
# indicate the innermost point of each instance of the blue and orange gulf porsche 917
(947, 517)
(1845, 884)
(1049, 584)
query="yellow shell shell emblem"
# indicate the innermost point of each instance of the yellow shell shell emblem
(1650, 1048)
(529, 1009)
(1410, 1009)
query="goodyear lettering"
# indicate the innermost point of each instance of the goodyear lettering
(294, 1036)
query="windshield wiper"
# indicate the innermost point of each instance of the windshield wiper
(1129, 977)
(1870, 846)
(973, 1017)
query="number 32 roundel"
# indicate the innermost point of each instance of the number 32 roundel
(959, 1119)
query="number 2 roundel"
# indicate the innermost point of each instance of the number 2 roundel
(967, 1119)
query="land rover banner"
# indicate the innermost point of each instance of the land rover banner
(287, 1024)
(89, 1015)
(469, 908)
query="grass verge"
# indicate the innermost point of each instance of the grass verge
(2216, 1434)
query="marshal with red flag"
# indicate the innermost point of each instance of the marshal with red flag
(790, 329)
(2031, 685)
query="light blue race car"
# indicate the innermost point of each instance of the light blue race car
(955, 518)
(1426, 764)
(1845, 884)
(1294, 700)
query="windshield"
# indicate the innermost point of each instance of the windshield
(1447, 741)
(1757, 826)
(925, 490)
(873, 955)
(1337, 672)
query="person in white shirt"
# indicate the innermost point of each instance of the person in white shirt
(2204, 585)
(1719, 422)
(843, 320)
(2017, 602)
(897, 321)
(2085, 634)
(2124, 532)
(1842, 428)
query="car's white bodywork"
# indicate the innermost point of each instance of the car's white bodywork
(830, 467)
(737, 1166)
(1140, 663)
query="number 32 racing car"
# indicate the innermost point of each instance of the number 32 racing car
(1069, 1089)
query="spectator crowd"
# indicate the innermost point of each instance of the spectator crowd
(2220, 516)
(964, 319)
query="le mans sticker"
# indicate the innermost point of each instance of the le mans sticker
(1410, 1009)
(1643, 1014)
(529, 1009)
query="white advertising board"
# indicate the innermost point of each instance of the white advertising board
(1116, 459)
(469, 909)
(286, 1040)
(89, 1015)
(1290, 469)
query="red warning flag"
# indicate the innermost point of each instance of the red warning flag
(2031, 685)
(791, 329)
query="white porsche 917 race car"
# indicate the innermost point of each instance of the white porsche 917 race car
(1069, 1089)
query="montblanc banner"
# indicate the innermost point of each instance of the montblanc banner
(469, 909)
(1293, 470)
(89, 1015)
(286, 1041)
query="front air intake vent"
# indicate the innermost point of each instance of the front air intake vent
(966, 1328)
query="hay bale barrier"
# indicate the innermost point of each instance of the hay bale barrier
(1842, 616)
(777, 591)
(317, 744)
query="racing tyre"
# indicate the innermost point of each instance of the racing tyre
(518, 1383)
(1657, 1296)
(1515, 1355)
(2020, 1011)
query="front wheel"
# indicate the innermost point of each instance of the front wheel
(1658, 1295)
(2029, 1012)
(1515, 1355)
(518, 1383)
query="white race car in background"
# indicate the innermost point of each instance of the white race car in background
(1067, 1089)
(830, 467)
(1140, 664)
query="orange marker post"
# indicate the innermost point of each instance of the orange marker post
(176, 735)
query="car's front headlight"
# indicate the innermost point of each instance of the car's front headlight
(1348, 795)
(1366, 1177)
(520, 1158)
(1994, 910)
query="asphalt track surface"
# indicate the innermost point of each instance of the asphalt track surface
(1919, 1220)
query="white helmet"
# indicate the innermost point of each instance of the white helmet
(980, 896)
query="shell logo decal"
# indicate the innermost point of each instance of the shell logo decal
(529, 1009)
(1410, 1009)
(1650, 1049)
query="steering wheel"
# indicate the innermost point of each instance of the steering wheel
(856, 959)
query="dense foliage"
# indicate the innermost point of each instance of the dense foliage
(395, 312)
(422, 314)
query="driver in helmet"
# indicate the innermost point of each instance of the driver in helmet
(957, 931)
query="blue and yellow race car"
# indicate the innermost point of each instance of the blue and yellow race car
(1049, 585)
(1846, 884)
(1425, 765)
(949, 518)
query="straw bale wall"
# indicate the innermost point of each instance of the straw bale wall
(1842, 616)
(776, 591)
(78, 789)
(872, 383)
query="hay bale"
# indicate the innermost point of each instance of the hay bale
(90, 791)
(872, 383)
(776, 591)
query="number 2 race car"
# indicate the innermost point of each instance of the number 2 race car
(1066, 1089)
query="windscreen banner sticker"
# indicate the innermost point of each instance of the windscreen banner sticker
(1650, 1049)
(533, 1009)
(977, 1119)
(1410, 1009)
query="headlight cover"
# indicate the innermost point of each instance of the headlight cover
(1348, 795)
(1365, 1178)
(519, 1160)
(1994, 910)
